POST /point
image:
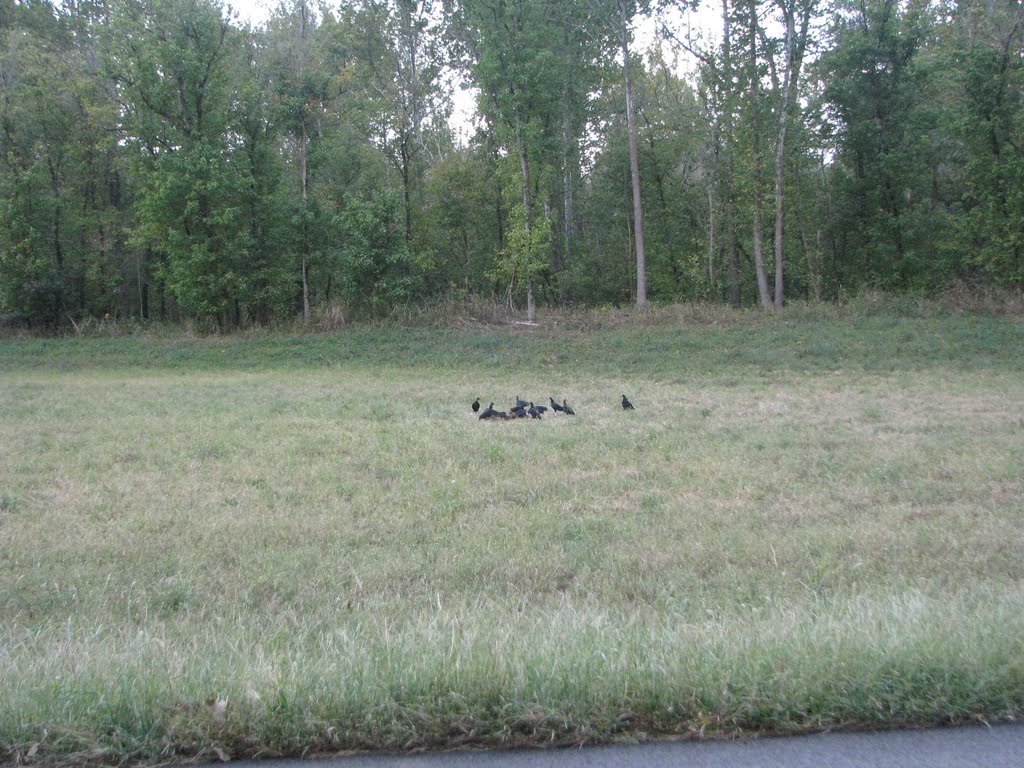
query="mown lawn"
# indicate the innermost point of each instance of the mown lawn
(283, 544)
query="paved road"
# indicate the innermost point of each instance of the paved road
(1000, 746)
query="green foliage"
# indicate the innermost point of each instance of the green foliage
(991, 69)
(464, 207)
(994, 223)
(929, 181)
(174, 57)
(157, 159)
(526, 248)
(377, 270)
(671, 159)
(60, 190)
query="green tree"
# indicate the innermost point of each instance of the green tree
(264, 241)
(990, 63)
(398, 64)
(61, 253)
(882, 92)
(464, 222)
(300, 91)
(173, 63)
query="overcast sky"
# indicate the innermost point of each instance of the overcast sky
(704, 21)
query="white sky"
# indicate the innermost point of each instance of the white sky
(253, 11)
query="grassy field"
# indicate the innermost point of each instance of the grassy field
(282, 544)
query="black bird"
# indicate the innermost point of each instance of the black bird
(555, 406)
(489, 412)
(535, 412)
(567, 410)
(520, 403)
(476, 405)
(540, 408)
(519, 411)
(626, 405)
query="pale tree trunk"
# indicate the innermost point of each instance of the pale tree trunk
(305, 243)
(713, 173)
(732, 253)
(819, 259)
(812, 255)
(711, 234)
(524, 163)
(634, 167)
(303, 149)
(762, 277)
(138, 275)
(793, 58)
(827, 215)
(567, 158)
(780, 146)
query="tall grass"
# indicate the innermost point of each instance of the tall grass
(225, 547)
(493, 673)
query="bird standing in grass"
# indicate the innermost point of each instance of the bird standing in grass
(555, 406)
(626, 405)
(567, 410)
(489, 412)
(476, 405)
(534, 411)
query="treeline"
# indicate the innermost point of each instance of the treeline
(162, 160)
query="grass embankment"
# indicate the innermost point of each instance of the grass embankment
(277, 545)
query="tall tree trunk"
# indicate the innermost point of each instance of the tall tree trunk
(712, 233)
(527, 221)
(58, 251)
(819, 260)
(762, 277)
(732, 252)
(634, 167)
(567, 160)
(780, 146)
(712, 174)
(305, 234)
(524, 163)
(407, 188)
(143, 287)
(793, 58)
(303, 150)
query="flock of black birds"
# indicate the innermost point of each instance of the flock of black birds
(524, 408)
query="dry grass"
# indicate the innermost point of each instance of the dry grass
(345, 558)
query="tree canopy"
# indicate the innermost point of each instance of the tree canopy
(163, 160)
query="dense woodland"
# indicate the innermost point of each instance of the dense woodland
(162, 160)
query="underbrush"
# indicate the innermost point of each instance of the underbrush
(478, 313)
